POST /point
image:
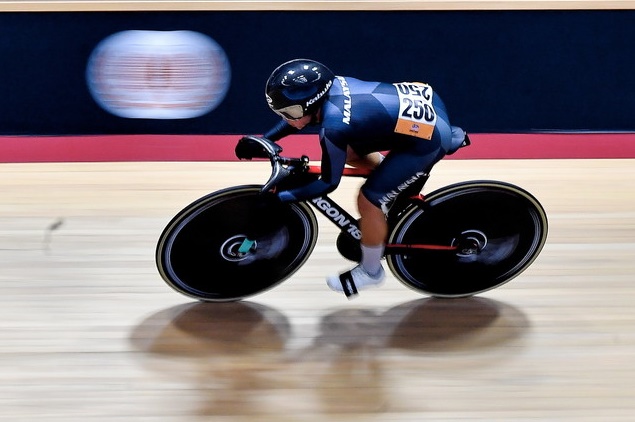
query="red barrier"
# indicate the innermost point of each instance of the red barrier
(17, 149)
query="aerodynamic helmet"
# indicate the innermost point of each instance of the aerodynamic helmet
(298, 88)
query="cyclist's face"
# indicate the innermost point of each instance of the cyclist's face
(299, 123)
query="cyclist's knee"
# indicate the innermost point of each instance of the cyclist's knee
(364, 204)
(369, 198)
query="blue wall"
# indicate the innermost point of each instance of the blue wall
(498, 71)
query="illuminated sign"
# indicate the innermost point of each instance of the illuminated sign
(158, 74)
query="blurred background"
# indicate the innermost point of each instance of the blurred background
(203, 72)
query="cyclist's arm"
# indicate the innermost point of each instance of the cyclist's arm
(333, 161)
(279, 131)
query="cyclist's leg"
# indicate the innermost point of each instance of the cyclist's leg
(401, 168)
(368, 161)
(451, 137)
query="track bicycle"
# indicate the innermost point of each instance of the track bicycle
(458, 241)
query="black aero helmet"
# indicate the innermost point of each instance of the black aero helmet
(298, 87)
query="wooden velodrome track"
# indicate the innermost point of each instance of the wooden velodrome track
(91, 333)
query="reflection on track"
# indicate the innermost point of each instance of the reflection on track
(213, 329)
(430, 325)
(247, 358)
(427, 324)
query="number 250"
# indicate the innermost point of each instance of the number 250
(417, 109)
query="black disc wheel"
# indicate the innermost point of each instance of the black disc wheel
(234, 243)
(495, 229)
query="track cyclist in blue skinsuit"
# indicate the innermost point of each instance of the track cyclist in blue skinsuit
(358, 120)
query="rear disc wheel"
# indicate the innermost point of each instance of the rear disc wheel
(498, 230)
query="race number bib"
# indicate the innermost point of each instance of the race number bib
(416, 114)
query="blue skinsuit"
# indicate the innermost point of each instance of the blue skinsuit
(363, 115)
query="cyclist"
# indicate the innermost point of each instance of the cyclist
(358, 121)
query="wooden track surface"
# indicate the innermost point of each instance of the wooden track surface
(91, 333)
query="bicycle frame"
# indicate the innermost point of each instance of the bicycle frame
(349, 225)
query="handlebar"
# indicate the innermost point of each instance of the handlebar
(250, 147)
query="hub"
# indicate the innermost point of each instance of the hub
(236, 248)
(471, 242)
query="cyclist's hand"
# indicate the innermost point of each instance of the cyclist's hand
(276, 196)
(271, 198)
(246, 148)
(251, 146)
(285, 196)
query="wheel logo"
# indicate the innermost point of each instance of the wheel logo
(230, 250)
